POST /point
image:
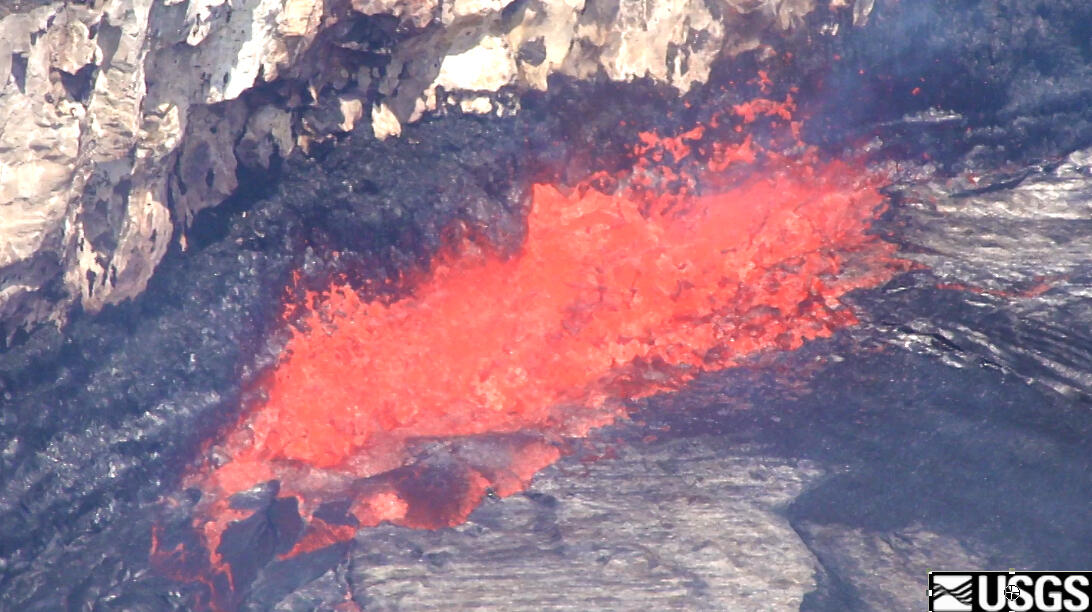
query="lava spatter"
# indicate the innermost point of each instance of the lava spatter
(414, 410)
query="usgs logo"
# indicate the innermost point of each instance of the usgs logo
(1015, 591)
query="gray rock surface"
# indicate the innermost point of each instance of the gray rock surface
(888, 570)
(675, 527)
(1018, 237)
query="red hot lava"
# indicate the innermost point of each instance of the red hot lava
(613, 296)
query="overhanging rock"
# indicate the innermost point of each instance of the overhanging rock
(120, 120)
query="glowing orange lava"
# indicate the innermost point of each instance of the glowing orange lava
(613, 296)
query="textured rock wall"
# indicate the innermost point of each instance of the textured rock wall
(121, 119)
(95, 101)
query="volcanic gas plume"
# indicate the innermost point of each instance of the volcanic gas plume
(630, 284)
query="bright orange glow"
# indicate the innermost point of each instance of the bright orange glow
(613, 296)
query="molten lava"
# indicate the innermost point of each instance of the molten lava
(613, 296)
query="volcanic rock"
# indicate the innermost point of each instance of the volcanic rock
(119, 121)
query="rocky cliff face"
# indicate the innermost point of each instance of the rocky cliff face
(121, 119)
(96, 104)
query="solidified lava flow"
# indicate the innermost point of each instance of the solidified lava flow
(414, 410)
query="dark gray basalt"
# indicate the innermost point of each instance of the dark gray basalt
(1012, 79)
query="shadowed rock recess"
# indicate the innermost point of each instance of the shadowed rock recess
(172, 173)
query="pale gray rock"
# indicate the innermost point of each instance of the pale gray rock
(679, 526)
(205, 174)
(889, 570)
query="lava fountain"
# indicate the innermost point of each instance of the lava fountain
(415, 409)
